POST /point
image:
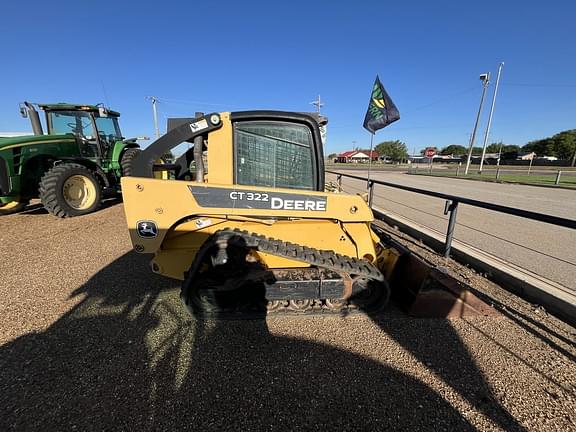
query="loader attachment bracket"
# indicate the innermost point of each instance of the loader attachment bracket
(143, 164)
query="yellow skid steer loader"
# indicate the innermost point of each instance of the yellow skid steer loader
(245, 222)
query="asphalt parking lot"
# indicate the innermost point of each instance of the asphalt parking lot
(92, 340)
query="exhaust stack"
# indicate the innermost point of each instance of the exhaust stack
(34, 119)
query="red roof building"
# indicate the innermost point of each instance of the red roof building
(355, 156)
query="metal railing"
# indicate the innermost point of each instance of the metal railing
(451, 206)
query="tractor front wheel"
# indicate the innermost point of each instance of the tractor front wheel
(12, 207)
(70, 190)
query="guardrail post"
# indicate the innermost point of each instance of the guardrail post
(370, 193)
(558, 175)
(452, 208)
(339, 181)
(498, 173)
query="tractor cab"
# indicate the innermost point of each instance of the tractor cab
(96, 129)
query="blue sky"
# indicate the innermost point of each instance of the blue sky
(237, 55)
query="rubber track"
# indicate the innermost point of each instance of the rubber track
(293, 251)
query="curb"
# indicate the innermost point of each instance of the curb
(556, 298)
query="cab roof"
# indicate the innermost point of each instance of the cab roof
(63, 106)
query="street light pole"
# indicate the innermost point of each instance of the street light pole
(154, 100)
(485, 78)
(490, 118)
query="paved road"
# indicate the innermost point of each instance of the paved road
(92, 340)
(547, 250)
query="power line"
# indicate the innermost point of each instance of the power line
(449, 97)
(540, 85)
(190, 102)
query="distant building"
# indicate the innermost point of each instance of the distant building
(357, 156)
(526, 156)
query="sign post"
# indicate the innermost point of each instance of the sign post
(429, 153)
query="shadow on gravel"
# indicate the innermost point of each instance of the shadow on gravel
(435, 343)
(128, 357)
(38, 209)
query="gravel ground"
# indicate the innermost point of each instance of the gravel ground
(92, 340)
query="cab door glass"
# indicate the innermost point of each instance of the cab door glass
(80, 124)
(274, 154)
(108, 131)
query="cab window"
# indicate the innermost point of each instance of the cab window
(78, 123)
(274, 154)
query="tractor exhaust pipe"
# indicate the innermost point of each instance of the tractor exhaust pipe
(198, 161)
(34, 119)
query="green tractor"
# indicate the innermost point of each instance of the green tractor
(71, 168)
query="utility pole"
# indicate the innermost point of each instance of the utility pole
(490, 118)
(485, 78)
(499, 153)
(318, 104)
(154, 100)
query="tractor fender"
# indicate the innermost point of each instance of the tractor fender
(119, 148)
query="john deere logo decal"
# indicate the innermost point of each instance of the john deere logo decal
(147, 229)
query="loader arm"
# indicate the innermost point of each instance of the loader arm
(144, 163)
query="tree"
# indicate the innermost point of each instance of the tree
(494, 147)
(453, 149)
(543, 147)
(509, 151)
(566, 145)
(332, 155)
(395, 150)
(562, 145)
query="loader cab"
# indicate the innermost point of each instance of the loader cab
(95, 129)
(273, 149)
(278, 150)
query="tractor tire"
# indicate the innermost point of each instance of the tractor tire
(126, 161)
(69, 190)
(12, 207)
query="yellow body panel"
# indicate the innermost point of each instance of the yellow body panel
(183, 224)
(221, 160)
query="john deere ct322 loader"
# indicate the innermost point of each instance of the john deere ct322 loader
(245, 221)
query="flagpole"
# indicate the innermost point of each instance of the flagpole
(370, 159)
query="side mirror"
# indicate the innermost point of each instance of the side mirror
(23, 111)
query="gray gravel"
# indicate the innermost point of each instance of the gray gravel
(92, 340)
